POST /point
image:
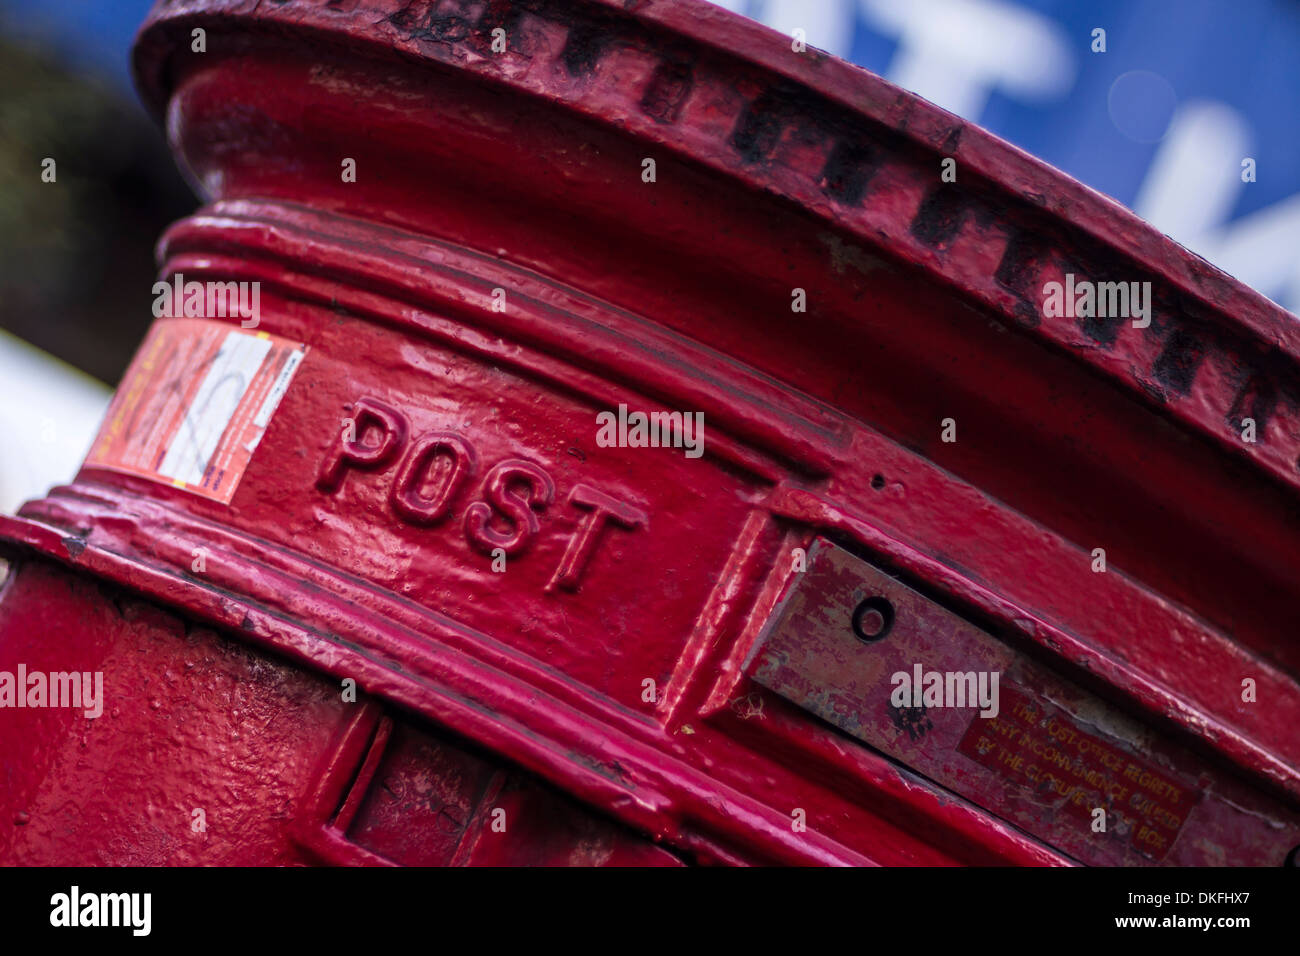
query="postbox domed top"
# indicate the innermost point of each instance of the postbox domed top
(565, 106)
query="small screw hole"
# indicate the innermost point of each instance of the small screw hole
(872, 619)
(1292, 858)
(877, 481)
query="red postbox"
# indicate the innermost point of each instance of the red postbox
(604, 433)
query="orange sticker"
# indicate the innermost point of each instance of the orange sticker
(194, 404)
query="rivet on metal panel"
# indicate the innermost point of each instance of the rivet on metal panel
(873, 618)
(982, 719)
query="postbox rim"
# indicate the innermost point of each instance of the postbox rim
(723, 33)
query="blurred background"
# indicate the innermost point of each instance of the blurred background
(1161, 121)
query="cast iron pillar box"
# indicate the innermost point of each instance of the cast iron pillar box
(634, 420)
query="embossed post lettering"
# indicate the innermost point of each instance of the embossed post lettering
(435, 469)
(417, 467)
(502, 493)
(601, 510)
(368, 415)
